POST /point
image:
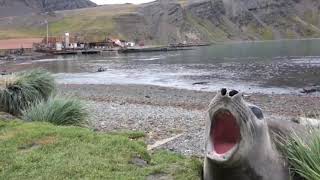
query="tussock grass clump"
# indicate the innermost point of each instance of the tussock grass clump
(58, 111)
(312, 114)
(20, 90)
(304, 157)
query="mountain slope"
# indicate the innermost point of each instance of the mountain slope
(169, 21)
(261, 19)
(23, 7)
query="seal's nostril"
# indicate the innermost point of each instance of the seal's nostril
(223, 91)
(233, 92)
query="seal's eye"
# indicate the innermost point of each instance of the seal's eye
(257, 112)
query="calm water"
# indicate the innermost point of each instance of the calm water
(268, 67)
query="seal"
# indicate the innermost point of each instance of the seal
(239, 144)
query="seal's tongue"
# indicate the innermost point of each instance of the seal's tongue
(225, 132)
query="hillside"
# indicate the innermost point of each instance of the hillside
(23, 7)
(167, 21)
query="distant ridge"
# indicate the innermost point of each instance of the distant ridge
(165, 21)
(23, 7)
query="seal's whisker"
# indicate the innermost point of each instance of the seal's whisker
(249, 126)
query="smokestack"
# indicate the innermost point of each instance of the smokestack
(67, 40)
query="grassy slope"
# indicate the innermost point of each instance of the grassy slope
(206, 28)
(90, 23)
(96, 23)
(12, 33)
(44, 151)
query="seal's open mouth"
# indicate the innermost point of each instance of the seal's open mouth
(225, 132)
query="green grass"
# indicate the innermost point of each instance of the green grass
(13, 33)
(20, 90)
(304, 158)
(89, 24)
(90, 28)
(267, 33)
(206, 28)
(308, 30)
(290, 34)
(311, 17)
(43, 151)
(58, 111)
(87, 27)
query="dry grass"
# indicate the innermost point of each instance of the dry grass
(183, 2)
(6, 81)
(91, 23)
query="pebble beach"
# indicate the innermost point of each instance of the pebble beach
(163, 113)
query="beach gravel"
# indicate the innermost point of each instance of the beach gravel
(163, 112)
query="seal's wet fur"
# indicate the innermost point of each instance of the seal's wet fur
(255, 157)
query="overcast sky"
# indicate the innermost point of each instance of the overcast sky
(120, 1)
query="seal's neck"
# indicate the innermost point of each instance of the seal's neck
(242, 171)
(264, 158)
(261, 168)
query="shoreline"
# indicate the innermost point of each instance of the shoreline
(163, 112)
(261, 41)
(19, 59)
